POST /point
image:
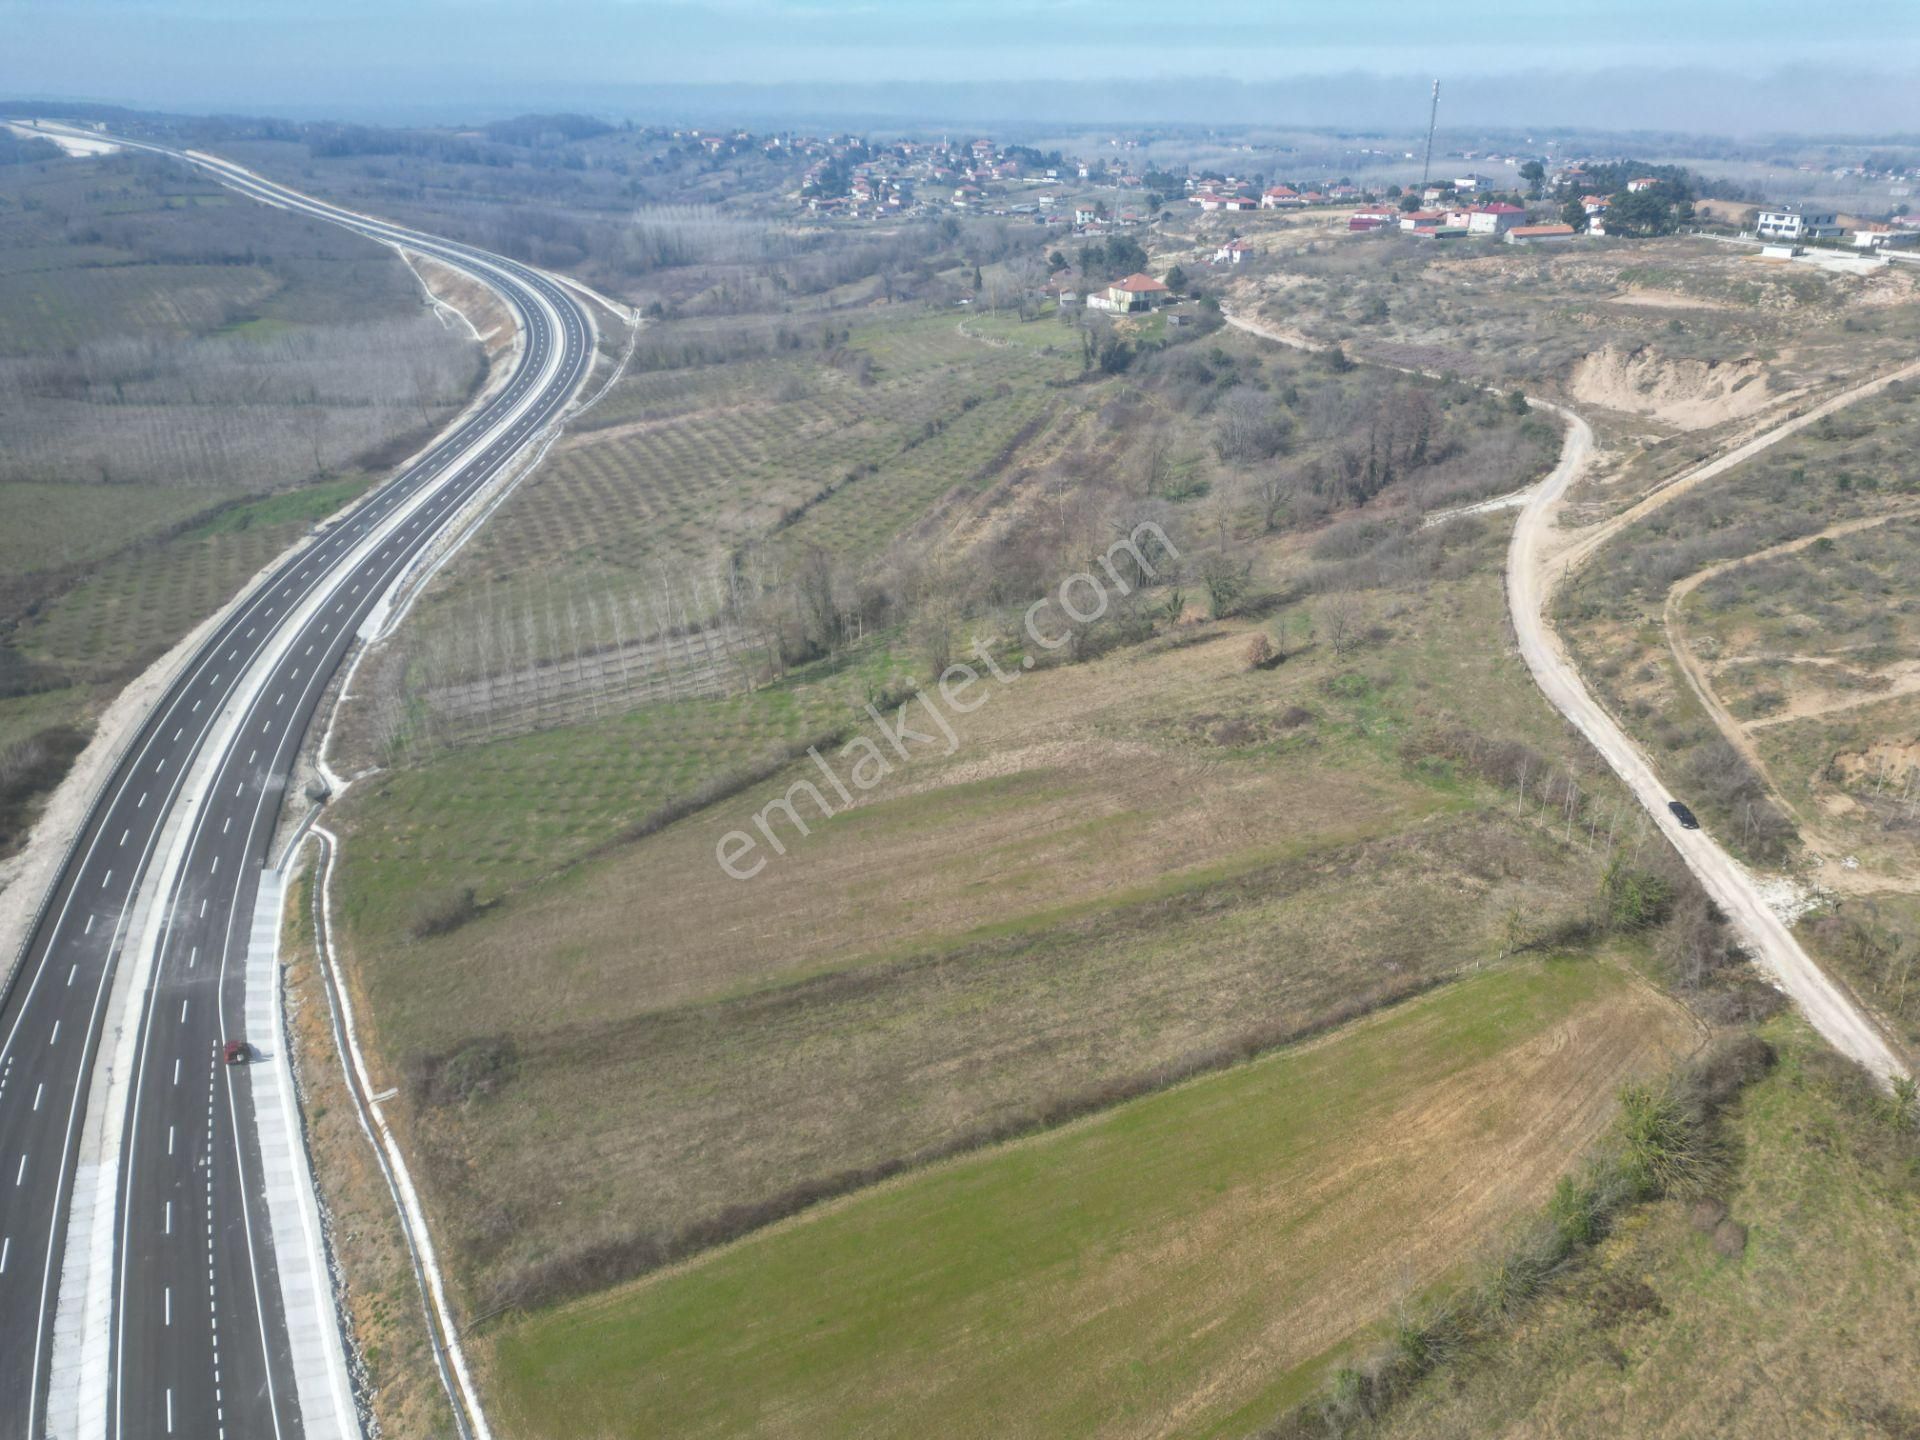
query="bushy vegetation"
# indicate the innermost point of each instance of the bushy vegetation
(1668, 1142)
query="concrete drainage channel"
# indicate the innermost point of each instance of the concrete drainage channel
(448, 1357)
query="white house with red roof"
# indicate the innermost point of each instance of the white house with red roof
(1136, 292)
(1232, 253)
(1280, 197)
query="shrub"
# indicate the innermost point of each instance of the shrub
(442, 911)
(477, 1069)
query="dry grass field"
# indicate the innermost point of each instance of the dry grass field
(1804, 1330)
(1183, 1265)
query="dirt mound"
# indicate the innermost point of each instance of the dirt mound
(1690, 394)
(1889, 762)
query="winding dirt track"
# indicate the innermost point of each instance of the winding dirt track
(1533, 569)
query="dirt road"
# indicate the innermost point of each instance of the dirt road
(1534, 565)
(1827, 1007)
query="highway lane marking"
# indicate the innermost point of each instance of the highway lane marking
(167, 1316)
(6, 1244)
(176, 1069)
(169, 1221)
(124, 834)
(193, 954)
(226, 825)
(214, 868)
(71, 972)
(539, 349)
(169, 1139)
(169, 1409)
(106, 879)
(38, 1091)
(181, 730)
(54, 1039)
(21, 1173)
(141, 803)
(251, 753)
(89, 929)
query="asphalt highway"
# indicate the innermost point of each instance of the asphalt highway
(198, 1343)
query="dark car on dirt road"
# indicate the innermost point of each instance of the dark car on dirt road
(1686, 817)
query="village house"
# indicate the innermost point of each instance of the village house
(1232, 253)
(1539, 234)
(1136, 292)
(1796, 222)
(1494, 219)
(1641, 182)
(1279, 197)
(1371, 219)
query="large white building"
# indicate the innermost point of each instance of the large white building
(1797, 222)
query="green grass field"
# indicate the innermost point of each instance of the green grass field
(1186, 1264)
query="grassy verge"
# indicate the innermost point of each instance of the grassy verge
(1180, 1265)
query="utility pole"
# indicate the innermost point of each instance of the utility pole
(1433, 119)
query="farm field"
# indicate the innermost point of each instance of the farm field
(1804, 1330)
(190, 382)
(1159, 844)
(1184, 1264)
(635, 520)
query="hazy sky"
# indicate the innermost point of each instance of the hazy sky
(359, 56)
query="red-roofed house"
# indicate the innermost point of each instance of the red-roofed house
(1538, 234)
(1232, 253)
(1641, 182)
(1136, 292)
(1280, 197)
(1494, 219)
